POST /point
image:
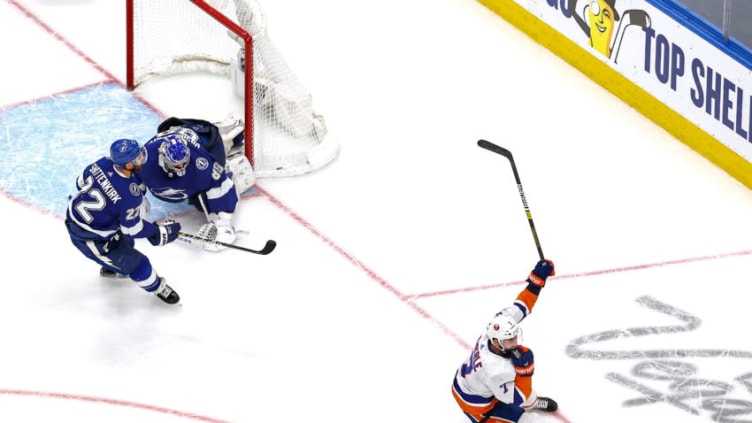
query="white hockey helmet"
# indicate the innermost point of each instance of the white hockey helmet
(503, 327)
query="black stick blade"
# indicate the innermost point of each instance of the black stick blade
(269, 247)
(495, 148)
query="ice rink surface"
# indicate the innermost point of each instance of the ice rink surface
(391, 260)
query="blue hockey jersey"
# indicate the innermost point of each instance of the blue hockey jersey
(107, 202)
(205, 181)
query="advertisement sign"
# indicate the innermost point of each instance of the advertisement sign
(660, 55)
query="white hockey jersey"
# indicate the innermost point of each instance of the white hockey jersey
(485, 377)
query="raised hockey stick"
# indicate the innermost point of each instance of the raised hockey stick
(508, 154)
(268, 247)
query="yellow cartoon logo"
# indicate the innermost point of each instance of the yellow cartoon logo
(598, 19)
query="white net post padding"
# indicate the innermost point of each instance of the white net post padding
(285, 135)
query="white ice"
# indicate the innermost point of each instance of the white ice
(392, 259)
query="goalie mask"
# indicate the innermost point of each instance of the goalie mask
(174, 155)
(503, 327)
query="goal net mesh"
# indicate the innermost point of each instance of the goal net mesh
(169, 37)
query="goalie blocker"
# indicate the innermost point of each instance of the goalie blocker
(218, 233)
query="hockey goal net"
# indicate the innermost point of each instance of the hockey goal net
(284, 136)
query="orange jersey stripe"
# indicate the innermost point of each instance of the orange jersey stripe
(524, 384)
(473, 409)
(528, 298)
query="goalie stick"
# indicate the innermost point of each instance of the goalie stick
(508, 154)
(268, 247)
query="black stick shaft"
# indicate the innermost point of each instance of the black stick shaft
(508, 154)
(268, 247)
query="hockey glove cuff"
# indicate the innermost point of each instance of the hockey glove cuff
(543, 269)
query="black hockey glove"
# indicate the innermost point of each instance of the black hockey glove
(167, 232)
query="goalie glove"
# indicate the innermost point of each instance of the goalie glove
(218, 230)
(167, 232)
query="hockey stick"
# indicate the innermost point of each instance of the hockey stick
(508, 154)
(268, 247)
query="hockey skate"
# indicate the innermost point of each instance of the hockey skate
(165, 293)
(107, 273)
(546, 404)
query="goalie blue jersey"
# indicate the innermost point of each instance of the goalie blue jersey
(107, 202)
(205, 183)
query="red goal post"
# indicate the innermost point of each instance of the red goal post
(284, 135)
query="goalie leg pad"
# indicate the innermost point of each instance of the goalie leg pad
(145, 208)
(242, 173)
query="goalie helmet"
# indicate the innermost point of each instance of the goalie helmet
(503, 327)
(174, 155)
(125, 151)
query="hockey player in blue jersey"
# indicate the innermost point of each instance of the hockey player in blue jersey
(104, 217)
(188, 162)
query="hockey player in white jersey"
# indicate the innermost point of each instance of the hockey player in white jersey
(495, 384)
